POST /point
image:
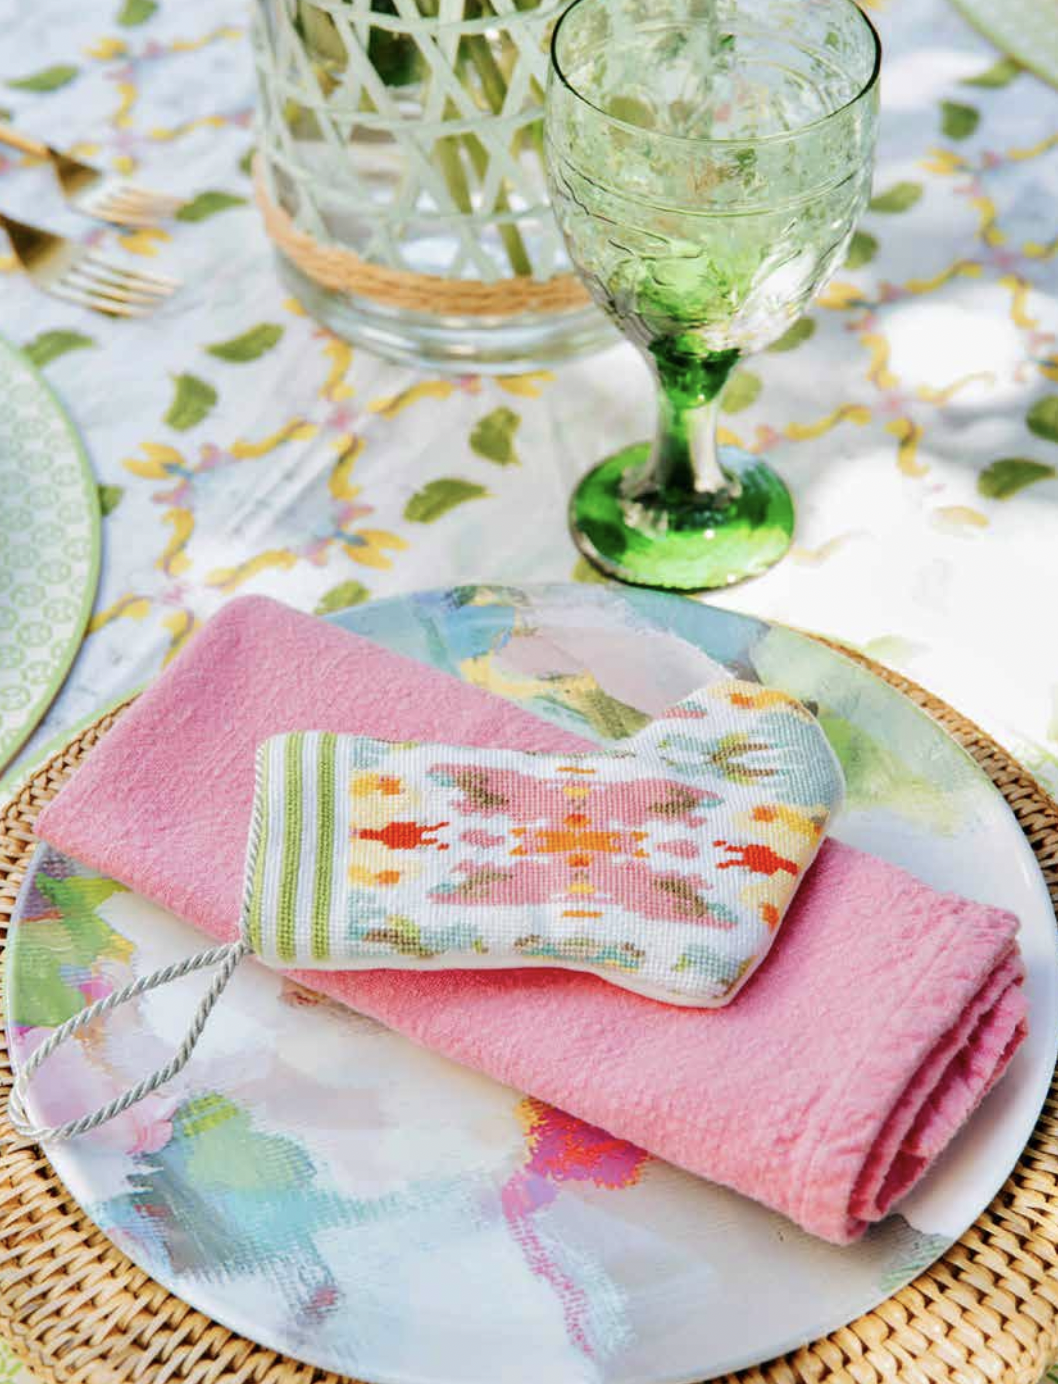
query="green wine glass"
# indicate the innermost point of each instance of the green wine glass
(708, 161)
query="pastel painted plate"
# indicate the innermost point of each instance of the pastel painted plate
(49, 547)
(333, 1192)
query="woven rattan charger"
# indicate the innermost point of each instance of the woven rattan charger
(74, 1308)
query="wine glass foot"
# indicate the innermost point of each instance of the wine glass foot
(687, 544)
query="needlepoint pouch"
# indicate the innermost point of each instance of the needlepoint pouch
(665, 866)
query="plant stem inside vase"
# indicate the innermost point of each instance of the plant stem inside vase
(408, 135)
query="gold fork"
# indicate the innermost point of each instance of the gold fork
(90, 190)
(81, 275)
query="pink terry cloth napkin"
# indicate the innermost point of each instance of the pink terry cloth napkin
(881, 1018)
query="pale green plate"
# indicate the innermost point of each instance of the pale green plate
(49, 546)
(1025, 29)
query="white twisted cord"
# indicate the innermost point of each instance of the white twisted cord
(227, 957)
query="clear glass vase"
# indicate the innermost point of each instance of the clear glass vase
(400, 168)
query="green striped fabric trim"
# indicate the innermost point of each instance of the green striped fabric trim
(293, 823)
(294, 857)
(323, 877)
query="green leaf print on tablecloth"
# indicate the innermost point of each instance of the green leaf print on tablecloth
(1001, 479)
(208, 204)
(998, 75)
(958, 121)
(110, 496)
(862, 249)
(802, 330)
(438, 497)
(742, 389)
(895, 649)
(899, 197)
(347, 593)
(192, 400)
(135, 12)
(493, 436)
(48, 345)
(1042, 418)
(47, 79)
(249, 345)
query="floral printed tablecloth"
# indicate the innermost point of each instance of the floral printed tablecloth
(239, 447)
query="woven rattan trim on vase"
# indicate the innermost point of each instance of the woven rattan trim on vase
(339, 269)
(77, 1311)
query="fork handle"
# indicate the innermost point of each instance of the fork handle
(15, 139)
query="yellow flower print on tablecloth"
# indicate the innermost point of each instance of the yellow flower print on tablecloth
(158, 461)
(174, 560)
(296, 430)
(181, 624)
(391, 406)
(335, 388)
(128, 607)
(366, 545)
(338, 482)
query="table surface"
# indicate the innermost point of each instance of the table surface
(295, 466)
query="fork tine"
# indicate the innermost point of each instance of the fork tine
(155, 198)
(143, 276)
(108, 307)
(108, 274)
(143, 196)
(132, 199)
(82, 278)
(163, 282)
(103, 288)
(118, 217)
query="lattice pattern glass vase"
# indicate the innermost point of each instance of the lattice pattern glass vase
(400, 174)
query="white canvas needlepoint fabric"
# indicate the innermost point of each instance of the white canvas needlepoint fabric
(665, 865)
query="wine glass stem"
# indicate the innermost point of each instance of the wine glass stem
(684, 457)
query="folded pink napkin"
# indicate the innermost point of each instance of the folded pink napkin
(875, 1027)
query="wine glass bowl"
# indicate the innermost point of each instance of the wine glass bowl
(708, 162)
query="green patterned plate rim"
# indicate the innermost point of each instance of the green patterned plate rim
(49, 547)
